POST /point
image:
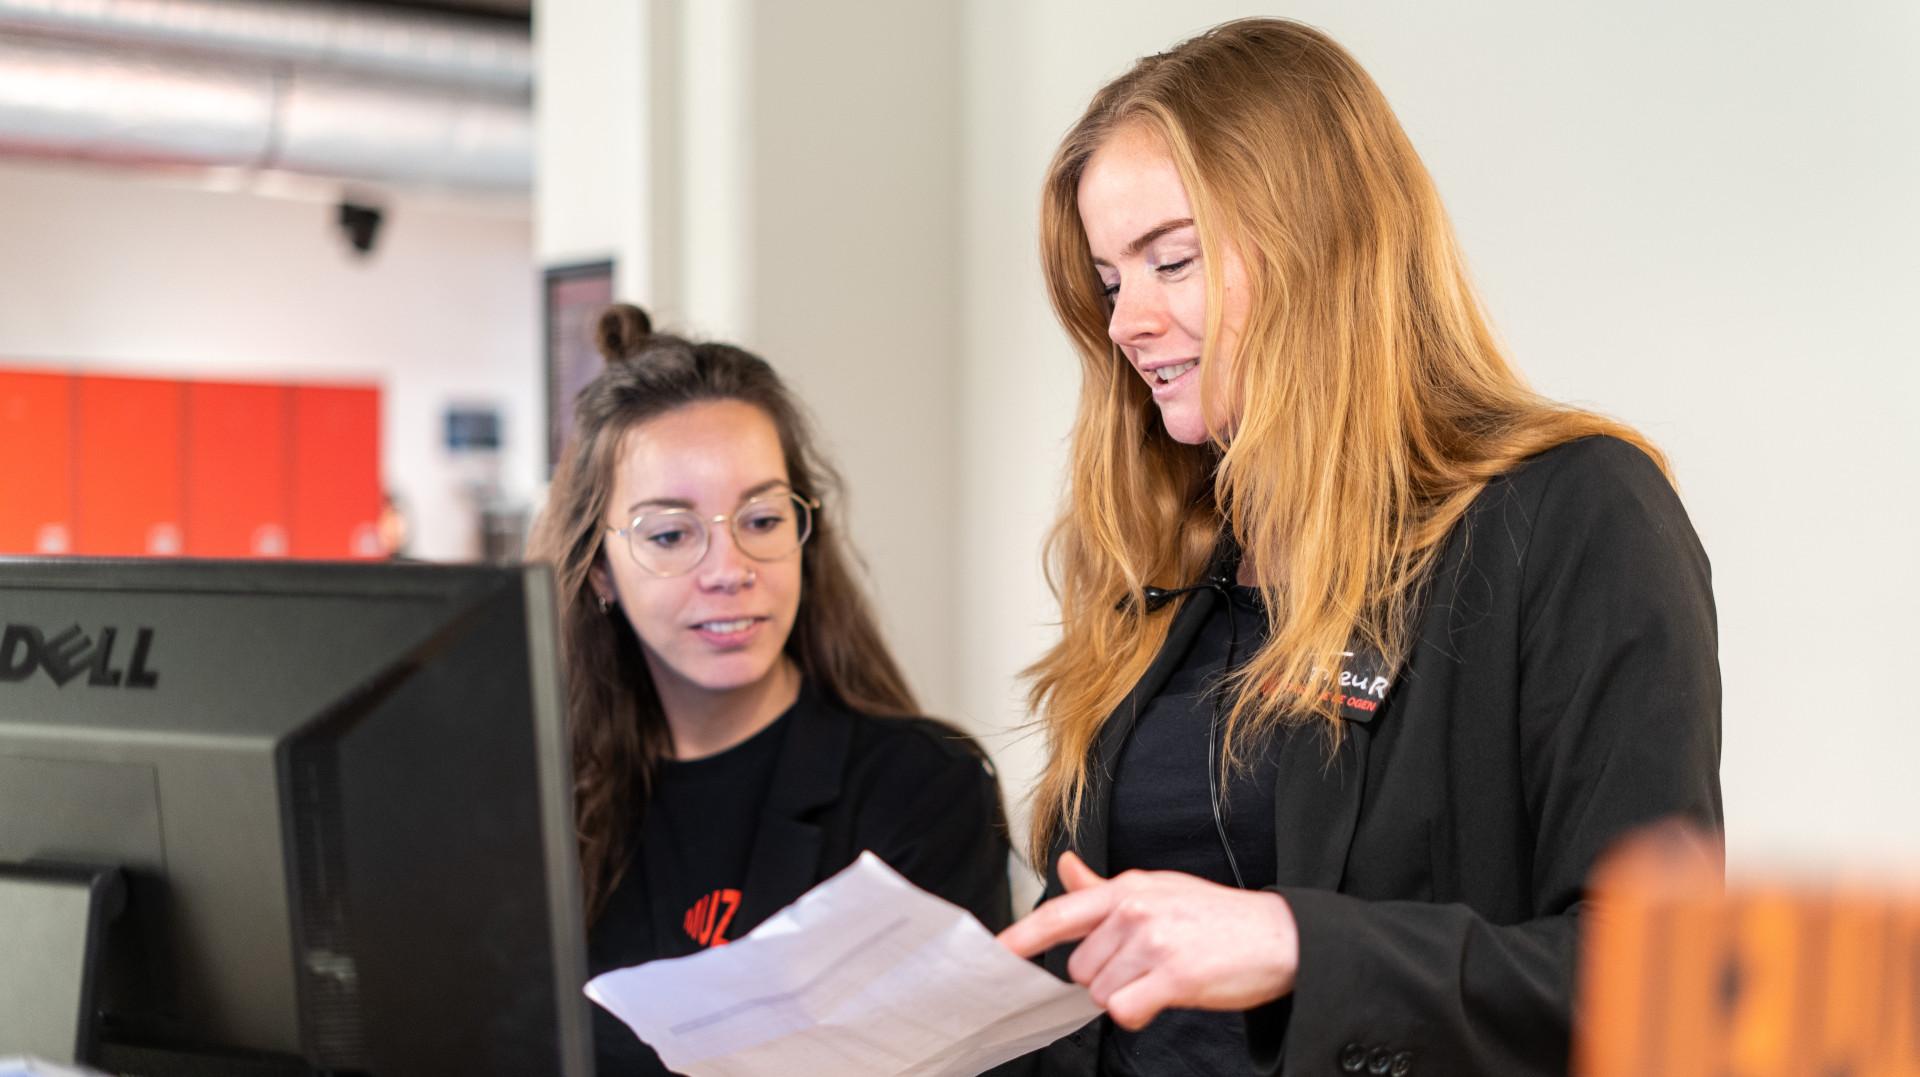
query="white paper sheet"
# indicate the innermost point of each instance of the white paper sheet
(865, 974)
(22, 1066)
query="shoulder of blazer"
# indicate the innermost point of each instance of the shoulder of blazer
(1585, 469)
(830, 744)
(890, 734)
(1591, 473)
(896, 759)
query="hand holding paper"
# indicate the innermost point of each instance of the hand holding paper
(865, 974)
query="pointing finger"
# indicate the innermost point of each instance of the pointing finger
(1067, 917)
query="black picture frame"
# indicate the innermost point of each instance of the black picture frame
(572, 296)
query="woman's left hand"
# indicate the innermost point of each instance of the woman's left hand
(1160, 939)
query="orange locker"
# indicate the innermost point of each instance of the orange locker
(128, 446)
(239, 501)
(336, 472)
(36, 458)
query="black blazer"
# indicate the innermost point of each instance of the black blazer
(1563, 689)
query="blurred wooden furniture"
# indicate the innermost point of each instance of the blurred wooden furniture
(1815, 977)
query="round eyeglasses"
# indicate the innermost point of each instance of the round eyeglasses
(670, 542)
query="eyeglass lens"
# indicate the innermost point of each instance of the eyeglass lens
(672, 541)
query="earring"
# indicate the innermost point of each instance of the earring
(605, 603)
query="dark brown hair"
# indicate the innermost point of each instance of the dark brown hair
(618, 730)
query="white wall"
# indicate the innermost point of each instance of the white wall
(1699, 217)
(785, 176)
(110, 270)
(855, 281)
(593, 136)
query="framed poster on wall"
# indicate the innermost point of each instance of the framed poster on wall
(572, 297)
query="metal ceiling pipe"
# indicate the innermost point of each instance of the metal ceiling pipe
(336, 127)
(65, 101)
(68, 102)
(396, 45)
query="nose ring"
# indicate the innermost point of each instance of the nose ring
(751, 576)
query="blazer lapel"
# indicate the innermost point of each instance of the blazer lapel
(1090, 837)
(1316, 804)
(785, 860)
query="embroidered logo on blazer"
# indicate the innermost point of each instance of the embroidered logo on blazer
(1363, 684)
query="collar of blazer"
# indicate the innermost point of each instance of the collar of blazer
(1192, 614)
(785, 859)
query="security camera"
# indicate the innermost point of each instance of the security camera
(361, 223)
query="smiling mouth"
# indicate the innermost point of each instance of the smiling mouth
(740, 624)
(1165, 374)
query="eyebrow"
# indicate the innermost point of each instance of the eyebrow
(1147, 237)
(681, 503)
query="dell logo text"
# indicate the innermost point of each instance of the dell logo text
(24, 648)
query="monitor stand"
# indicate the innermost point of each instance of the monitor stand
(52, 917)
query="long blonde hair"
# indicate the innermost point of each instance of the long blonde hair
(1374, 403)
(618, 729)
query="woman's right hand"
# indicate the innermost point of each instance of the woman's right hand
(1153, 940)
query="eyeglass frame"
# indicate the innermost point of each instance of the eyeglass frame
(709, 524)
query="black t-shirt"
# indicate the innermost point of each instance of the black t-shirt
(1162, 819)
(683, 887)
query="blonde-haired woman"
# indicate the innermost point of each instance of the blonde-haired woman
(1429, 642)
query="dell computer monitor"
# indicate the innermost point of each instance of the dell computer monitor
(337, 797)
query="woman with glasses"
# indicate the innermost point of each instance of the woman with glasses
(739, 726)
(1368, 651)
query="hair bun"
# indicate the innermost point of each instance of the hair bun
(623, 330)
